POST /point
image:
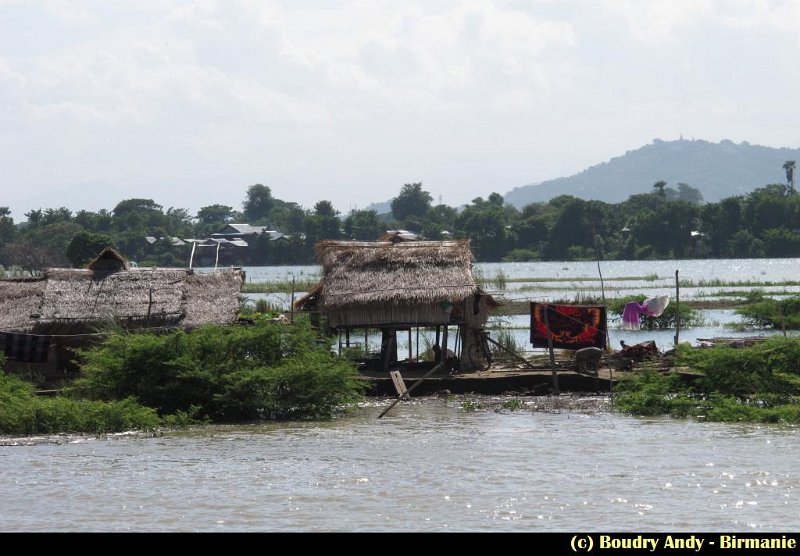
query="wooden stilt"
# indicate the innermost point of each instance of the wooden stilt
(291, 305)
(443, 358)
(550, 349)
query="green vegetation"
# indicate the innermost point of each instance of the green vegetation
(655, 224)
(225, 374)
(221, 374)
(766, 312)
(283, 286)
(23, 412)
(513, 404)
(470, 405)
(503, 334)
(760, 383)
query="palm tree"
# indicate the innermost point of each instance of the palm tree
(788, 166)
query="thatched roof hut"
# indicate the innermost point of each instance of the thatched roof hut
(387, 283)
(67, 301)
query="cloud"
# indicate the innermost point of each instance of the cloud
(351, 99)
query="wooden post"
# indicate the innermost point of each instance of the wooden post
(603, 295)
(410, 347)
(339, 338)
(291, 305)
(191, 257)
(677, 309)
(347, 336)
(149, 308)
(783, 320)
(550, 349)
(388, 348)
(611, 383)
(443, 358)
(418, 343)
(366, 342)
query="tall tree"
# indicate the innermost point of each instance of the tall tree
(215, 215)
(789, 167)
(7, 232)
(412, 201)
(659, 187)
(362, 225)
(258, 204)
(138, 215)
(85, 246)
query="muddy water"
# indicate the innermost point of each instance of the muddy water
(428, 466)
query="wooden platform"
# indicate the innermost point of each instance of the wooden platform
(501, 380)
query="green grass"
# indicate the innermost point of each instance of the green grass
(278, 287)
(718, 283)
(648, 278)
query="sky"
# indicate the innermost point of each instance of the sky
(189, 103)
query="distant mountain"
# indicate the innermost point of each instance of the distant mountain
(718, 170)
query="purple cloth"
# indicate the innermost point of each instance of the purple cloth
(630, 315)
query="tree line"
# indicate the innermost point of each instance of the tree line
(661, 223)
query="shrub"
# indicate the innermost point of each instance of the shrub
(23, 412)
(768, 312)
(758, 384)
(233, 373)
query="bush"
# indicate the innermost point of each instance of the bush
(224, 374)
(768, 367)
(651, 393)
(757, 384)
(767, 312)
(23, 412)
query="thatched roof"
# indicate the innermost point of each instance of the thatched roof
(135, 297)
(212, 297)
(388, 281)
(109, 260)
(20, 302)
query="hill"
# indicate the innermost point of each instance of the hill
(718, 170)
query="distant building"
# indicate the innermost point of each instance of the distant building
(245, 231)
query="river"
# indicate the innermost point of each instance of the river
(428, 466)
(431, 465)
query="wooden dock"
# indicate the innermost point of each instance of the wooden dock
(495, 381)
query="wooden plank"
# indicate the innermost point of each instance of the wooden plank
(399, 383)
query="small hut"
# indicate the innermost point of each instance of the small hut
(396, 286)
(42, 317)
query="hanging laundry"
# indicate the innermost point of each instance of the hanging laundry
(653, 307)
